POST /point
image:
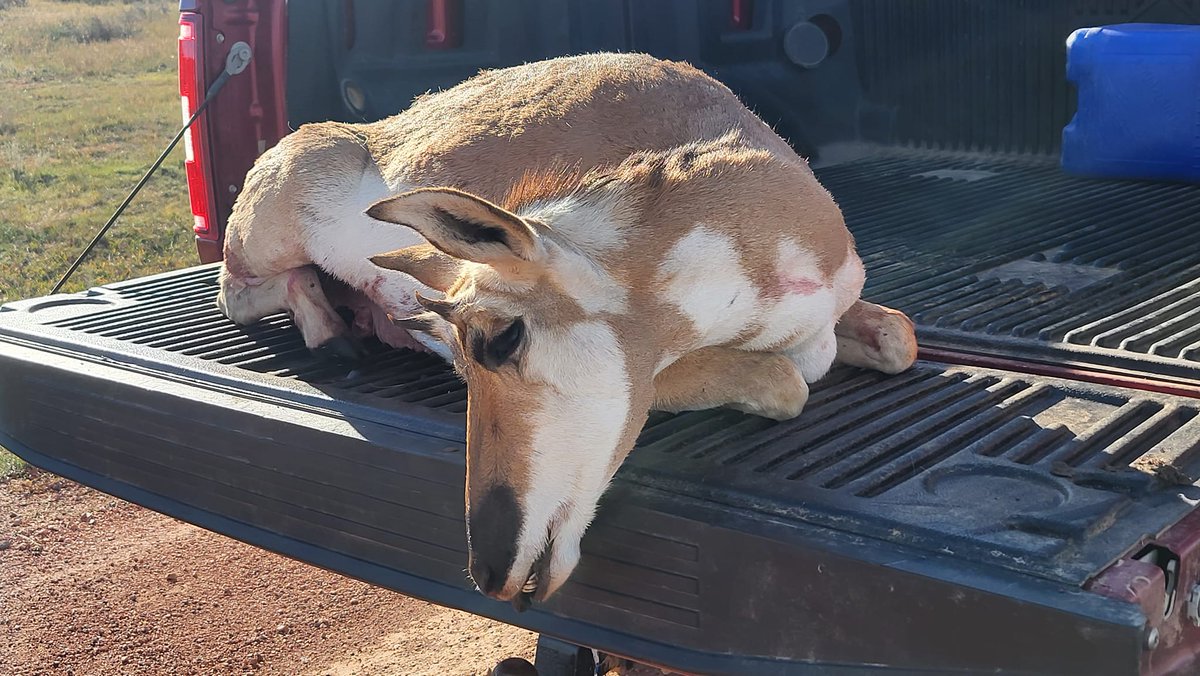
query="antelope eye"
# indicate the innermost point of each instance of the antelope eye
(500, 348)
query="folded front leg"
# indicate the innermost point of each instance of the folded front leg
(763, 383)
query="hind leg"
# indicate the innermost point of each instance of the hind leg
(298, 292)
(876, 337)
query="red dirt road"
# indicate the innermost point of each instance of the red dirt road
(92, 585)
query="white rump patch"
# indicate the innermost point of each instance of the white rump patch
(703, 276)
(815, 355)
(347, 238)
(848, 281)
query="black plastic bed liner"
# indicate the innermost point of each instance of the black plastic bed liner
(1015, 258)
(729, 543)
(895, 513)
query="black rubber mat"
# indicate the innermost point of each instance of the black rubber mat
(1018, 259)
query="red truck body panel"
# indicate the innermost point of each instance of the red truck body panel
(248, 117)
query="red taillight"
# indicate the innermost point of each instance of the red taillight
(741, 13)
(195, 143)
(443, 28)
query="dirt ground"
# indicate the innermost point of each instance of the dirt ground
(90, 585)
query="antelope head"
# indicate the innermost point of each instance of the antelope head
(558, 385)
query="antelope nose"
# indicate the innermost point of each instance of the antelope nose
(493, 526)
(488, 579)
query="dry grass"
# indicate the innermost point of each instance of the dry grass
(94, 29)
(88, 98)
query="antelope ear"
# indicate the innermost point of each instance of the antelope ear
(424, 262)
(462, 225)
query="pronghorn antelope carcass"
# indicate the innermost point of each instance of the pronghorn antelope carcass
(586, 239)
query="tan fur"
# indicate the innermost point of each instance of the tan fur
(877, 337)
(762, 383)
(424, 262)
(590, 111)
(494, 419)
(543, 184)
(563, 189)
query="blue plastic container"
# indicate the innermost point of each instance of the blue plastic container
(1139, 102)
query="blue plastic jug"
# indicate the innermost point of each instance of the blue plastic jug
(1139, 102)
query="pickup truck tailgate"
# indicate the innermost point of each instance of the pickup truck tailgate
(948, 518)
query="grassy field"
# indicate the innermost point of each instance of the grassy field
(88, 98)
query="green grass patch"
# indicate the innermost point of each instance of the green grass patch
(10, 465)
(93, 29)
(88, 98)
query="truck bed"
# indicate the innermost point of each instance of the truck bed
(961, 512)
(1013, 257)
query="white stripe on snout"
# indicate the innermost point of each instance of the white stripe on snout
(703, 277)
(576, 430)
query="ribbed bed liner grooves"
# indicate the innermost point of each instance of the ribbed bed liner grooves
(990, 255)
(1017, 471)
(179, 314)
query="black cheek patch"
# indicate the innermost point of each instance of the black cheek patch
(468, 231)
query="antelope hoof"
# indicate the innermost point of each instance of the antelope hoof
(339, 349)
(876, 337)
(514, 666)
(783, 399)
(775, 410)
(893, 340)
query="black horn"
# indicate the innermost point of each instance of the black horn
(424, 322)
(442, 308)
